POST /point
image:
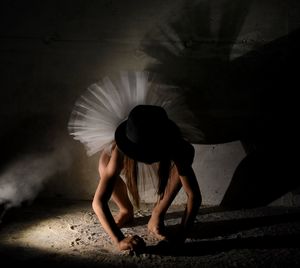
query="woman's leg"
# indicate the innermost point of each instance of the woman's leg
(121, 199)
(156, 222)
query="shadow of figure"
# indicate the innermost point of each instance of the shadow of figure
(248, 98)
(209, 234)
(268, 170)
(189, 54)
(201, 248)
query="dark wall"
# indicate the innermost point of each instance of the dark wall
(233, 59)
(236, 59)
(52, 50)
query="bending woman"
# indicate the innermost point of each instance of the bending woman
(150, 137)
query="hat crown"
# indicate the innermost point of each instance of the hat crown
(146, 124)
(148, 135)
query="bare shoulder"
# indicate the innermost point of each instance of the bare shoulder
(117, 153)
(107, 154)
(183, 157)
(115, 161)
(183, 152)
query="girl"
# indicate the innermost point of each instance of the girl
(135, 120)
(147, 136)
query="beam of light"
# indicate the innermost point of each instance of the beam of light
(61, 235)
(23, 179)
(64, 230)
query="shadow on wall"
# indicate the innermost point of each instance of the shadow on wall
(249, 98)
(268, 170)
(233, 238)
(189, 53)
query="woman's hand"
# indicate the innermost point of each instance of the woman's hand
(134, 243)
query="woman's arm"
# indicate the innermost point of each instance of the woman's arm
(183, 157)
(109, 169)
(194, 199)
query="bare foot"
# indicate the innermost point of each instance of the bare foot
(156, 228)
(123, 218)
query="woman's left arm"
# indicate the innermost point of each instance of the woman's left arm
(194, 199)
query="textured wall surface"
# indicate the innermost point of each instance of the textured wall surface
(51, 51)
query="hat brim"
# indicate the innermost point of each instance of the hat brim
(151, 152)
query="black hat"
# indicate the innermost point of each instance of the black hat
(148, 135)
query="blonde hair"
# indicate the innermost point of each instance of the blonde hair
(131, 172)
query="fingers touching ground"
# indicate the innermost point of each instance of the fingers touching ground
(134, 243)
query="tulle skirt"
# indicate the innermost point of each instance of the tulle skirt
(107, 103)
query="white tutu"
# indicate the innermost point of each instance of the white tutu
(105, 104)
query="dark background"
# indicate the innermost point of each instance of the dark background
(238, 61)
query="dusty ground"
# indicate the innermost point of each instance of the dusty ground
(67, 234)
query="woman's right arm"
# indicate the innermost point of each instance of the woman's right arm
(109, 169)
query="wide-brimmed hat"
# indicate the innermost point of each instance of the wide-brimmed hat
(147, 135)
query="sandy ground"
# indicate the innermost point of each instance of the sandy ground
(68, 234)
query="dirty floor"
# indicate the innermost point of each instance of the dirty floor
(67, 234)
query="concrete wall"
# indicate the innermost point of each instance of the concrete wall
(214, 166)
(51, 51)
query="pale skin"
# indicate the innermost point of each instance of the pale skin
(112, 186)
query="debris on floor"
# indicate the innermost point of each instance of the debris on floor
(68, 234)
